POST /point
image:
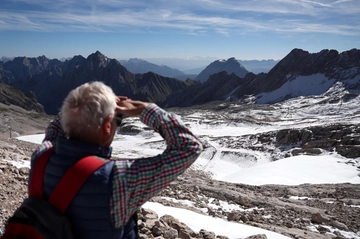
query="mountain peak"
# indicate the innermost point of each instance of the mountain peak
(329, 62)
(224, 60)
(5, 59)
(230, 66)
(136, 61)
(98, 59)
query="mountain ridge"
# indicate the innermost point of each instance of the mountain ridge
(299, 69)
(53, 83)
(298, 73)
(139, 66)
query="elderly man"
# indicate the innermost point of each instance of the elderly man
(106, 205)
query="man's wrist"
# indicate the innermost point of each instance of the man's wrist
(149, 110)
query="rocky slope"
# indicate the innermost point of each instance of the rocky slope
(12, 96)
(306, 211)
(15, 121)
(272, 207)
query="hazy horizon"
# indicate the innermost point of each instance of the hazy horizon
(178, 63)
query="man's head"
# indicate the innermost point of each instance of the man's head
(87, 113)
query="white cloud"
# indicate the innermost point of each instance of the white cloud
(198, 16)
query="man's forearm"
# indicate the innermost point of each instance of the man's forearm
(143, 178)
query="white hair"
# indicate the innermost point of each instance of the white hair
(85, 108)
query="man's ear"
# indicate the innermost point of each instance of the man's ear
(106, 126)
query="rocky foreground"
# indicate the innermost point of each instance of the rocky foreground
(305, 211)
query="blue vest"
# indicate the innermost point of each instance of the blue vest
(89, 212)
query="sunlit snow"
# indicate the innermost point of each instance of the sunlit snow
(299, 86)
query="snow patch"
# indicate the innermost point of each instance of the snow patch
(301, 86)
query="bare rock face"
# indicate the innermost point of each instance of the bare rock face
(319, 218)
(345, 139)
(168, 227)
(23, 67)
(206, 234)
(260, 236)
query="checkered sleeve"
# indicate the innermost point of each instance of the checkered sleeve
(136, 181)
(54, 130)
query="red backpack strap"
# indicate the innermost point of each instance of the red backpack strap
(73, 180)
(37, 178)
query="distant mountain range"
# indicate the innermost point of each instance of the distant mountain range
(231, 65)
(136, 65)
(300, 73)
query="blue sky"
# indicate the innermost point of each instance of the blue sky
(208, 29)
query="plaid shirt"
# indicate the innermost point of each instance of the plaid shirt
(136, 181)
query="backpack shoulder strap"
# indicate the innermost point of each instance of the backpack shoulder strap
(36, 184)
(73, 180)
(69, 184)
